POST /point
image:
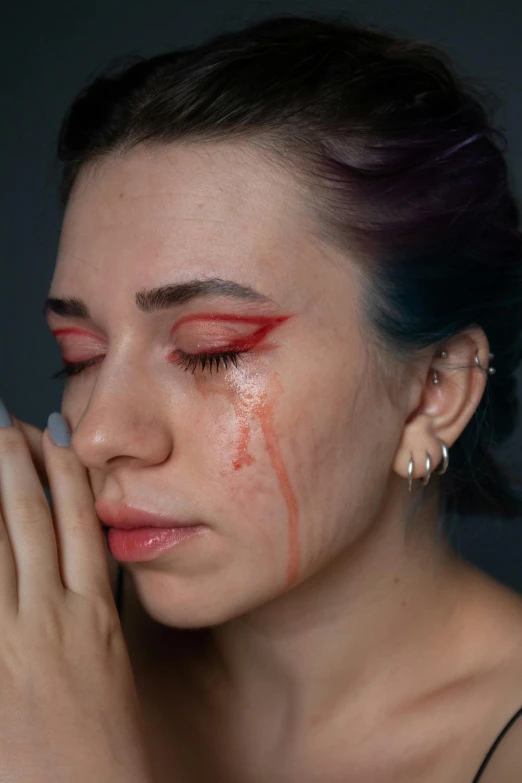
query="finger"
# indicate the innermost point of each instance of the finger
(27, 523)
(81, 543)
(33, 435)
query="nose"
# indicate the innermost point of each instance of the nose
(119, 430)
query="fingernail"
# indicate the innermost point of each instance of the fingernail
(5, 417)
(58, 430)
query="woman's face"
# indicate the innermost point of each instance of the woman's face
(281, 454)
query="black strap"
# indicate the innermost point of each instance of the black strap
(492, 748)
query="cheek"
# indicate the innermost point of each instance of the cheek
(252, 465)
(338, 450)
(228, 452)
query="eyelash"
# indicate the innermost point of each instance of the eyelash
(189, 361)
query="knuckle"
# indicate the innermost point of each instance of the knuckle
(103, 620)
(50, 624)
(29, 508)
(11, 440)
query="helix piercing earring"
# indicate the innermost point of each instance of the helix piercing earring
(444, 355)
(491, 370)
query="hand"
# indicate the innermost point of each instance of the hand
(69, 709)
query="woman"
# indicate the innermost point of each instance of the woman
(288, 258)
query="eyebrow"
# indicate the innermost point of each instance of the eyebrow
(163, 298)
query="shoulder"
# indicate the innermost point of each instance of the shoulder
(493, 712)
(489, 727)
(457, 725)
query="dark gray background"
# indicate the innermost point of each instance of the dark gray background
(50, 50)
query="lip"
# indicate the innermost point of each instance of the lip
(127, 517)
(147, 543)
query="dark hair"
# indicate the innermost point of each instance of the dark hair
(406, 170)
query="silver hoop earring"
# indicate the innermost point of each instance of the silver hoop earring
(445, 460)
(428, 469)
(410, 472)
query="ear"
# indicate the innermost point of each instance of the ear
(441, 411)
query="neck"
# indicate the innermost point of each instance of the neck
(354, 636)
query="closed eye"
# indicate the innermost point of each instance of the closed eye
(189, 361)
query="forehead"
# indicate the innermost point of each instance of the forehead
(167, 204)
(168, 214)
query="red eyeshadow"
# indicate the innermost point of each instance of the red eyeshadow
(240, 344)
(247, 319)
(74, 330)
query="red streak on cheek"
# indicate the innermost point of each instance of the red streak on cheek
(242, 410)
(265, 412)
(243, 457)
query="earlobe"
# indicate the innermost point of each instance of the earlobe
(440, 469)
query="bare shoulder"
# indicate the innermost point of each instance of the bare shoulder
(504, 606)
(487, 694)
(495, 616)
(471, 695)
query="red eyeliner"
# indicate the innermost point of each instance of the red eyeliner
(240, 344)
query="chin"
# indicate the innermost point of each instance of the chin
(190, 604)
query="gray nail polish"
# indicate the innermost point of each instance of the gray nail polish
(59, 430)
(5, 417)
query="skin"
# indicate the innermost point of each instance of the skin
(318, 618)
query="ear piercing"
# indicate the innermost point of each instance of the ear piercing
(440, 470)
(491, 370)
(445, 455)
